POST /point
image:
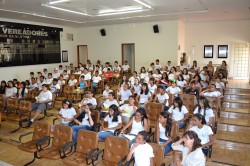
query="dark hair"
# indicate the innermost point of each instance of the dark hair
(45, 85)
(112, 93)
(126, 81)
(152, 64)
(5, 85)
(14, 79)
(42, 77)
(158, 71)
(11, 83)
(49, 74)
(199, 77)
(55, 79)
(200, 118)
(178, 100)
(166, 79)
(205, 103)
(23, 89)
(65, 101)
(82, 76)
(31, 73)
(171, 69)
(144, 70)
(152, 79)
(27, 82)
(180, 75)
(116, 112)
(197, 141)
(160, 87)
(168, 126)
(60, 66)
(147, 90)
(143, 114)
(185, 69)
(144, 135)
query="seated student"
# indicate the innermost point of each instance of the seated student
(164, 136)
(106, 91)
(42, 100)
(89, 99)
(203, 131)
(98, 68)
(198, 81)
(173, 89)
(27, 82)
(61, 81)
(41, 82)
(105, 69)
(178, 112)
(107, 103)
(107, 75)
(82, 83)
(142, 151)
(60, 70)
(157, 75)
(125, 67)
(151, 68)
(65, 75)
(152, 87)
(89, 67)
(78, 71)
(211, 92)
(138, 122)
(123, 82)
(127, 110)
(157, 64)
(84, 121)
(55, 87)
(133, 77)
(208, 113)
(114, 122)
(66, 113)
(49, 79)
(124, 93)
(192, 90)
(86, 74)
(164, 80)
(178, 71)
(39, 74)
(150, 75)
(172, 74)
(169, 66)
(95, 79)
(181, 82)
(144, 96)
(33, 84)
(11, 90)
(185, 74)
(72, 81)
(116, 70)
(22, 91)
(192, 154)
(56, 73)
(136, 87)
(182, 65)
(162, 97)
(45, 73)
(219, 84)
(222, 77)
(3, 87)
(143, 74)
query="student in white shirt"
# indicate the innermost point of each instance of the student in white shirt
(185, 74)
(173, 89)
(90, 99)
(157, 64)
(125, 67)
(49, 79)
(151, 68)
(204, 109)
(33, 84)
(172, 74)
(127, 110)
(132, 79)
(157, 74)
(10, 91)
(86, 74)
(61, 81)
(60, 70)
(105, 69)
(114, 122)
(124, 93)
(169, 66)
(151, 86)
(203, 131)
(178, 111)
(78, 71)
(106, 91)
(219, 84)
(66, 113)
(65, 75)
(138, 122)
(41, 82)
(211, 92)
(116, 70)
(23, 91)
(55, 87)
(142, 151)
(192, 154)
(96, 79)
(181, 81)
(56, 73)
(136, 87)
(162, 97)
(84, 121)
(72, 81)
(182, 66)
(123, 82)
(144, 96)
(143, 74)
(107, 103)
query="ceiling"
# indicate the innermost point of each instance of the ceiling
(104, 12)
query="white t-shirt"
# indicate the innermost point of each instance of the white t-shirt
(209, 113)
(137, 88)
(212, 94)
(142, 154)
(152, 88)
(54, 88)
(171, 76)
(132, 80)
(176, 113)
(45, 96)
(49, 81)
(162, 98)
(65, 77)
(41, 84)
(33, 86)
(60, 71)
(20, 92)
(158, 66)
(162, 131)
(96, 79)
(108, 103)
(125, 67)
(129, 110)
(78, 72)
(183, 67)
(61, 82)
(85, 120)
(136, 127)
(143, 75)
(67, 113)
(86, 76)
(203, 133)
(72, 82)
(92, 101)
(220, 85)
(112, 124)
(56, 75)
(181, 83)
(10, 91)
(105, 93)
(174, 90)
(186, 77)
(144, 98)
(105, 69)
(125, 94)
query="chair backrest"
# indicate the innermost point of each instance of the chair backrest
(116, 148)
(95, 116)
(189, 102)
(12, 103)
(2, 101)
(158, 151)
(41, 129)
(62, 134)
(214, 102)
(198, 88)
(68, 89)
(170, 100)
(153, 110)
(25, 105)
(86, 141)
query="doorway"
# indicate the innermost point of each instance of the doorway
(82, 54)
(128, 54)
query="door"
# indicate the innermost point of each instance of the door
(128, 54)
(82, 54)
(241, 61)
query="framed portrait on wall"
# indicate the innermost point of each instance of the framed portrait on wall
(64, 56)
(222, 51)
(208, 51)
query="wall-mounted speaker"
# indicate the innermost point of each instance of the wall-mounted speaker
(156, 29)
(103, 32)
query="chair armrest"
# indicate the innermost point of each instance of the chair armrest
(54, 120)
(96, 127)
(41, 141)
(23, 135)
(90, 154)
(210, 149)
(122, 161)
(96, 155)
(151, 135)
(117, 131)
(130, 161)
(64, 148)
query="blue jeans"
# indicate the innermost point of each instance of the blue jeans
(104, 134)
(205, 151)
(93, 84)
(167, 147)
(75, 131)
(181, 125)
(165, 108)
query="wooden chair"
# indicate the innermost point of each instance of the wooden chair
(12, 107)
(49, 107)
(158, 151)
(2, 107)
(41, 131)
(189, 102)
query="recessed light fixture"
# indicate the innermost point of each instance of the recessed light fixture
(143, 3)
(58, 1)
(66, 10)
(121, 12)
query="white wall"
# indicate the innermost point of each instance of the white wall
(22, 72)
(148, 45)
(215, 33)
(181, 39)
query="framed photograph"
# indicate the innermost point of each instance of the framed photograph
(222, 51)
(208, 51)
(64, 56)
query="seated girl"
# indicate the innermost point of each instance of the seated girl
(162, 97)
(23, 91)
(211, 92)
(128, 110)
(144, 95)
(124, 93)
(136, 87)
(106, 92)
(173, 89)
(181, 81)
(107, 103)
(178, 112)
(164, 80)
(114, 121)
(89, 99)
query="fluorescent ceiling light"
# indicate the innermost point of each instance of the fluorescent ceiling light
(58, 1)
(66, 10)
(122, 12)
(142, 3)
